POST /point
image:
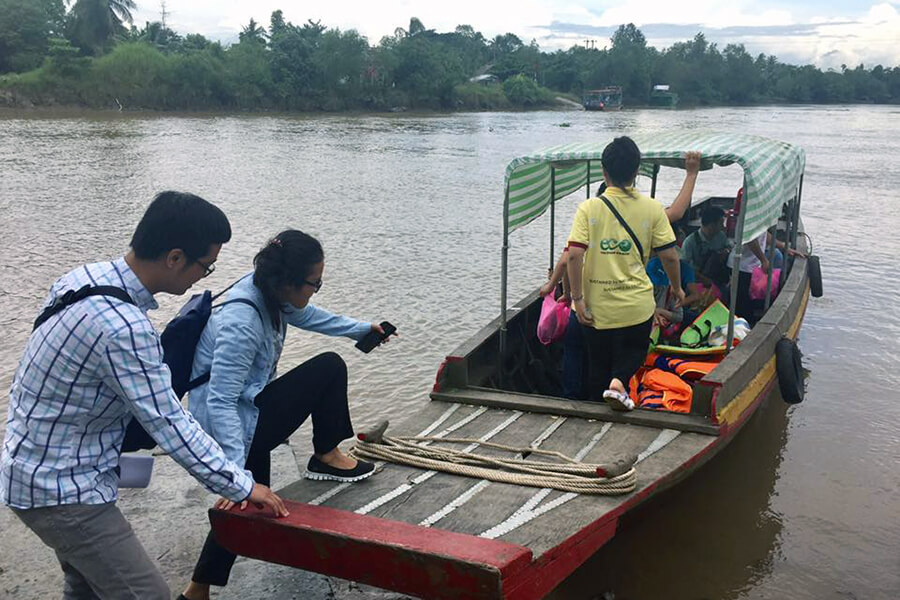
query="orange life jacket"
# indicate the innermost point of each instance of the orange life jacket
(692, 370)
(635, 383)
(662, 390)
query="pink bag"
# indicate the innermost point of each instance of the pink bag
(553, 320)
(758, 283)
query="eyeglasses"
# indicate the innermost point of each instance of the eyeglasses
(207, 268)
(315, 284)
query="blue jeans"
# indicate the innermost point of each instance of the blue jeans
(574, 361)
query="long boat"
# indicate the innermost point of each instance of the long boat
(606, 98)
(663, 97)
(434, 534)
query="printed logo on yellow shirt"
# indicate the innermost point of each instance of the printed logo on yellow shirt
(614, 246)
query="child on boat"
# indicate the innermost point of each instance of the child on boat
(707, 248)
(670, 315)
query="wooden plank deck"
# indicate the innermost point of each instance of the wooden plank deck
(539, 519)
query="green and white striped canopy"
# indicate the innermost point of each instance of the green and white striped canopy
(772, 172)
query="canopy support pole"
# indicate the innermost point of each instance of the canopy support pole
(795, 216)
(788, 228)
(770, 250)
(504, 264)
(794, 226)
(736, 267)
(552, 215)
(653, 181)
(587, 186)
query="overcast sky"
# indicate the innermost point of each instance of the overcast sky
(826, 33)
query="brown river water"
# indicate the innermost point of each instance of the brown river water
(805, 503)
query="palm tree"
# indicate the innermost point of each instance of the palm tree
(155, 33)
(93, 23)
(415, 26)
(253, 32)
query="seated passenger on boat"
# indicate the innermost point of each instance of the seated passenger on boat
(669, 313)
(611, 292)
(244, 406)
(706, 250)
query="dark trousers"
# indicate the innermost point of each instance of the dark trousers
(574, 361)
(615, 353)
(318, 388)
(746, 307)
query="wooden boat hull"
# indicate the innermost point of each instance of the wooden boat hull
(663, 100)
(437, 535)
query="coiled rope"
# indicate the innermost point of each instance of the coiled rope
(569, 475)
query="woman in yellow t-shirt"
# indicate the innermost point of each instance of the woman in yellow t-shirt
(609, 245)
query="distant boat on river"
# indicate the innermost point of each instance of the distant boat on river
(605, 98)
(663, 97)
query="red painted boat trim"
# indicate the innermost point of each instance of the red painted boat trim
(557, 564)
(438, 383)
(713, 410)
(389, 554)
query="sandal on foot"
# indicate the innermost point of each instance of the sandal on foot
(319, 471)
(618, 400)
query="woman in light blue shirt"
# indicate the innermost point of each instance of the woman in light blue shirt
(244, 406)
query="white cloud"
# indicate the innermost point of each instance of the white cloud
(870, 39)
(881, 13)
(873, 40)
(710, 13)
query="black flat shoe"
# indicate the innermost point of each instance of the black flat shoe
(319, 471)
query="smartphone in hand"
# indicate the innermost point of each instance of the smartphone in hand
(373, 338)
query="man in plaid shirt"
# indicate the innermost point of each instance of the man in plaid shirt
(85, 373)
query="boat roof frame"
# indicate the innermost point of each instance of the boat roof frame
(605, 90)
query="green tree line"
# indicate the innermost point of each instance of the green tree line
(92, 54)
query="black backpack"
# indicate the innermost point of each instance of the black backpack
(179, 341)
(182, 334)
